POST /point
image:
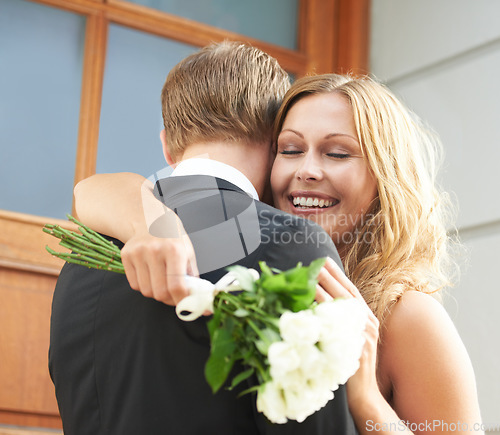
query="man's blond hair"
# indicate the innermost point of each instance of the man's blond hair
(225, 92)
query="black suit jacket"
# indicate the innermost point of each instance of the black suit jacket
(125, 364)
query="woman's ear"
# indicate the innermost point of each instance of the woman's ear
(166, 152)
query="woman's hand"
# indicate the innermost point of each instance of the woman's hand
(156, 266)
(362, 387)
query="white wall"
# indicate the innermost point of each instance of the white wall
(443, 59)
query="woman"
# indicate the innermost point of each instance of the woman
(353, 159)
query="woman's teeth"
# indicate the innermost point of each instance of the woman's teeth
(301, 201)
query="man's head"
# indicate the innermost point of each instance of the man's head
(226, 92)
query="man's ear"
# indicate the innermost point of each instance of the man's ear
(166, 152)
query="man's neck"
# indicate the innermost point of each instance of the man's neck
(251, 159)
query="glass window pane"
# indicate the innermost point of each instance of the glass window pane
(41, 52)
(271, 21)
(137, 65)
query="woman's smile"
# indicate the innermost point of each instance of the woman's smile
(320, 172)
(306, 202)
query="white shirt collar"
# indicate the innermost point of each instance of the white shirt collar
(214, 168)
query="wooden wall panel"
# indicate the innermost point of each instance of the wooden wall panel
(22, 243)
(27, 279)
(26, 391)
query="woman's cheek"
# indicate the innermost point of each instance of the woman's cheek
(276, 178)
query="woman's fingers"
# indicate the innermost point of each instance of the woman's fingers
(130, 271)
(177, 262)
(331, 285)
(156, 267)
(322, 295)
(157, 270)
(334, 281)
(341, 277)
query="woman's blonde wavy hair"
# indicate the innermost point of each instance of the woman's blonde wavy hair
(402, 242)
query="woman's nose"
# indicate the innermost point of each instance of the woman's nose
(309, 169)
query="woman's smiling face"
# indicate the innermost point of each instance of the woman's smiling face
(320, 172)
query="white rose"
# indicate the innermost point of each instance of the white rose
(301, 403)
(271, 402)
(292, 380)
(320, 393)
(298, 404)
(312, 359)
(330, 375)
(283, 358)
(343, 358)
(341, 339)
(341, 318)
(302, 327)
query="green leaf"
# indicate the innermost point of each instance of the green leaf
(214, 323)
(296, 286)
(298, 276)
(299, 302)
(275, 283)
(241, 377)
(315, 267)
(221, 360)
(271, 335)
(262, 346)
(266, 271)
(241, 312)
(267, 337)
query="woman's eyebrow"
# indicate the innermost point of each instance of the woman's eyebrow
(328, 136)
(293, 131)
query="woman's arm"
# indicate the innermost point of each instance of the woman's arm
(103, 199)
(422, 358)
(123, 206)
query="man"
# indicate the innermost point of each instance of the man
(125, 364)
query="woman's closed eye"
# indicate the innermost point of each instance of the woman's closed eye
(289, 152)
(339, 155)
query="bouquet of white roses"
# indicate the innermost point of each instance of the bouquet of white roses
(298, 351)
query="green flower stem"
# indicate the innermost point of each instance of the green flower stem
(91, 252)
(256, 313)
(89, 248)
(80, 241)
(258, 331)
(78, 258)
(97, 238)
(87, 237)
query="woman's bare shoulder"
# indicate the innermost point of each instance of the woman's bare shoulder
(424, 359)
(416, 307)
(419, 320)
